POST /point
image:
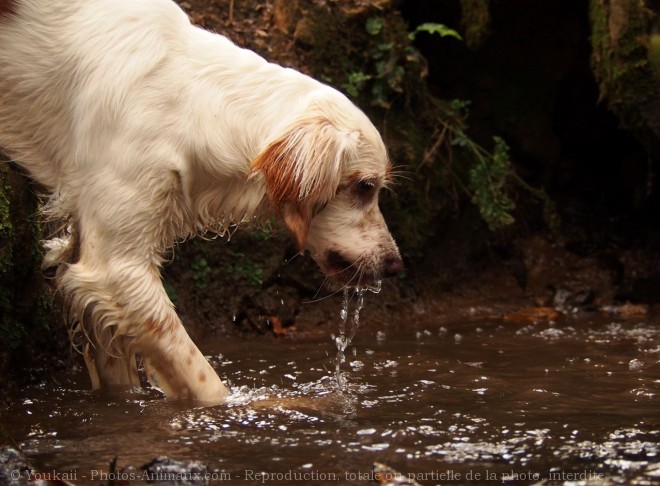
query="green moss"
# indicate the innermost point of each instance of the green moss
(475, 17)
(6, 226)
(20, 252)
(620, 62)
(9, 331)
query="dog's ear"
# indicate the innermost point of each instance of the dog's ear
(302, 169)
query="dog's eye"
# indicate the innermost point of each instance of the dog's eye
(366, 188)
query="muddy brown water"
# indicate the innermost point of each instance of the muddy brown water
(480, 402)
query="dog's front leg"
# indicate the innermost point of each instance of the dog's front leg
(176, 366)
(125, 311)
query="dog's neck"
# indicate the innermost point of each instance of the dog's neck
(236, 101)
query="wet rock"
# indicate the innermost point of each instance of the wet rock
(387, 476)
(635, 364)
(164, 470)
(626, 311)
(530, 315)
(12, 464)
(564, 279)
(566, 301)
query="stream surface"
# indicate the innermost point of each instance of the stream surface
(480, 402)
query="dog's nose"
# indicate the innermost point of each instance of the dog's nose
(393, 266)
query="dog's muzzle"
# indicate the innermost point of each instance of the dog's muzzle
(361, 271)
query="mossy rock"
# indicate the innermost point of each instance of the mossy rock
(620, 38)
(22, 298)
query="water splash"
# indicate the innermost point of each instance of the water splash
(343, 340)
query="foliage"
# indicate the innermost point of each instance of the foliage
(393, 68)
(390, 62)
(387, 62)
(355, 83)
(620, 38)
(374, 25)
(491, 176)
(488, 181)
(433, 28)
(200, 272)
(246, 269)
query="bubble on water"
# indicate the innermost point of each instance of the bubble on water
(375, 447)
(386, 364)
(552, 333)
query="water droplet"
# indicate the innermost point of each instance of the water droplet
(374, 288)
(635, 364)
(344, 340)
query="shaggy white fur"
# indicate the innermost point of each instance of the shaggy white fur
(144, 130)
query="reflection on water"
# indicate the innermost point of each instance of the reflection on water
(464, 403)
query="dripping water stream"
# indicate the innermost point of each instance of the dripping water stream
(343, 340)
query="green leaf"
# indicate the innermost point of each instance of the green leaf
(374, 25)
(355, 83)
(434, 28)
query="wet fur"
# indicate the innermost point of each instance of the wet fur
(144, 130)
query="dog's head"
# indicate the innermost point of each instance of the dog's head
(324, 174)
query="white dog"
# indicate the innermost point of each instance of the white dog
(144, 130)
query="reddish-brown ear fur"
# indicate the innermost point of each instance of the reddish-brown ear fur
(281, 182)
(7, 8)
(284, 189)
(302, 169)
(297, 219)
